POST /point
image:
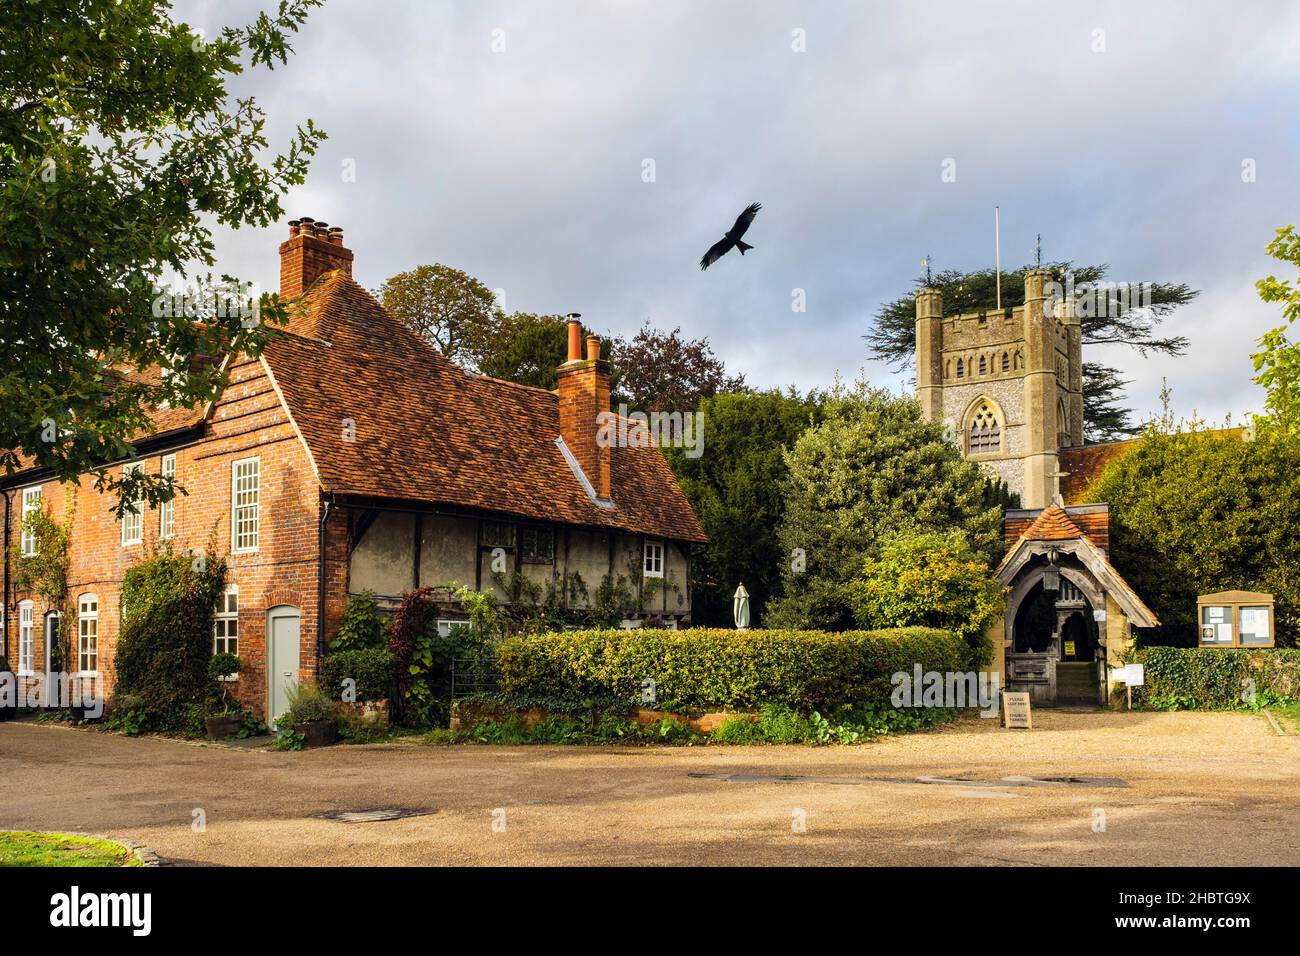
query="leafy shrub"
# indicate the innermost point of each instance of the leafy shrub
(362, 626)
(778, 724)
(290, 739)
(166, 640)
(356, 729)
(929, 580)
(1214, 678)
(371, 668)
(872, 468)
(250, 725)
(306, 704)
(704, 668)
(422, 658)
(127, 715)
(221, 666)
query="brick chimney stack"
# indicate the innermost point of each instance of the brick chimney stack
(584, 394)
(313, 248)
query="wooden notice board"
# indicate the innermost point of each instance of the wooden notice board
(1015, 710)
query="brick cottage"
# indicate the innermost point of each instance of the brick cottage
(352, 456)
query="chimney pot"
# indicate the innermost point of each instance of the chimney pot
(312, 249)
(593, 348)
(575, 340)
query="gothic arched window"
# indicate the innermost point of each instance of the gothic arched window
(961, 369)
(1006, 362)
(985, 433)
(984, 365)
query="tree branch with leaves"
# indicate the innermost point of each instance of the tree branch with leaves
(120, 146)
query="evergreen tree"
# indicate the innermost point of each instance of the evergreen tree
(871, 469)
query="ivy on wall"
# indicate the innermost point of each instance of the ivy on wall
(45, 573)
(166, 640)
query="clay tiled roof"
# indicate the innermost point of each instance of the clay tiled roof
(1058, 524)
(1085, 463)
(386, 415)
(1053, 524)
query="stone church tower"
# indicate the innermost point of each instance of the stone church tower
(1008, 383)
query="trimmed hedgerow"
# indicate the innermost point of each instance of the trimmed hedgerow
(707, 667)
(1213, 678)
(371, 668)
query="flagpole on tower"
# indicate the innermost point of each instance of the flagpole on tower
(997, 251)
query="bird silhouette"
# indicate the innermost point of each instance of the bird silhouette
(731, 239)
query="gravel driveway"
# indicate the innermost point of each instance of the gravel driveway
(1195, 789)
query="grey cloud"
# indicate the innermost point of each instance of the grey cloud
(524, 167)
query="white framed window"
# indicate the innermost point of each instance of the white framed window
(167, 510)
(245, 508)
(654, 559)
(88, 634)
(133, 517)
(446, 627)
(225, 626)
(26, 639)
(31, 503)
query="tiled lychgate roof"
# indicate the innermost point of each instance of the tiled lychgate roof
(386, 415)
(1090, 521)
(1070, 524)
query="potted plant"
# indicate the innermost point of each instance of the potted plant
(312, 714)
(228, 719)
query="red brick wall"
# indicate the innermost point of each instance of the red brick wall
(247, 421)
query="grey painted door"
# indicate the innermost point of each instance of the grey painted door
(282, 628)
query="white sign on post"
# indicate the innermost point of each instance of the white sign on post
(1130, 674)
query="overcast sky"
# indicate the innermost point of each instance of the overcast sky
(524, 165)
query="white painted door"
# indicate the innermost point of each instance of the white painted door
(282, 630)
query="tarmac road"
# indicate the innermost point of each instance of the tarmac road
(1151, 789)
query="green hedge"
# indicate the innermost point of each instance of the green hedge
(1212, 678)
(371, 668)
(707, 667)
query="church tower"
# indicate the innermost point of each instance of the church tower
(1008, 383)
